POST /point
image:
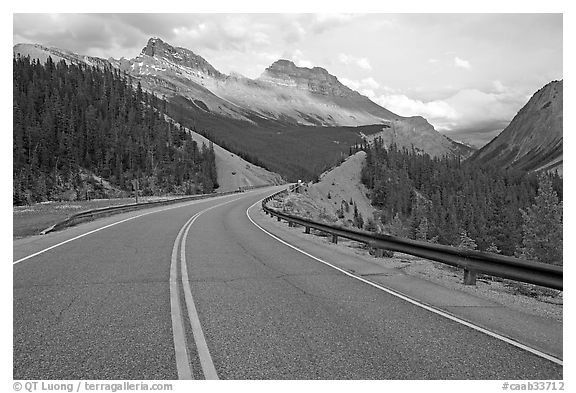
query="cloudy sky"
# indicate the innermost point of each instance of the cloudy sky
(468, 74)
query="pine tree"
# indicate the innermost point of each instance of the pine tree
(542, 225)
(371, 226)
(358, 220)
(396, 227)
(422, 230)
(492, 248)
(466, 242)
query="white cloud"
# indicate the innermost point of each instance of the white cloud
(320, 23)
(270, 56)
(476, 107)
(334, 18)
(353, 84)
(368, 93)
(406, 106)
(370, 82)
(366, 83)
(304, 63)
(361, 62)
(296, 53)
(472, 112)
(498, 86)
(458, 62)
(297, 56)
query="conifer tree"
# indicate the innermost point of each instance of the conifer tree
(492, 248)
(396, 227)
(466, 242)
(358, 220)
(542, 225)
(422, 230)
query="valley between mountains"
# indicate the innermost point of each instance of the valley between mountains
(295, 121)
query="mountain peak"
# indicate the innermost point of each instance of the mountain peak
(316, 80)
(161, 50)
(288, 66)
(283, 63)
(155, 44)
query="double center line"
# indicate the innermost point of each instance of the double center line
(180, 346)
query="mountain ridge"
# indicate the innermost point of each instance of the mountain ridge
(285, 97)
(316, 79)
(533, 140)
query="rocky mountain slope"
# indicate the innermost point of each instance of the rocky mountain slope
(533, 140)
(284, 101)
(233, 171)
(41, 52)
(284, 92)
(309, 96)
(335, 196)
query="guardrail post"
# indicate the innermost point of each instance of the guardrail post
(469, 277)
(290, 224)
(307, 230)
(334, 239)
(278, 218)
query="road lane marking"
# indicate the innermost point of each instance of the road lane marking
(202, 348)
(180, 345)
(179, 337)
(111, 225)
(413, 301)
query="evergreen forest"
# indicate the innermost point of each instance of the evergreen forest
(86, 132)
(472, 206)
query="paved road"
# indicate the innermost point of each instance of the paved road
(104, 307)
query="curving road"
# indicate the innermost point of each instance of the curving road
(196, 290)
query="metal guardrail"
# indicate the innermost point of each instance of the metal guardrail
(88, 214)
(473, 262)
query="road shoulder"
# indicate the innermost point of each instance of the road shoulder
(529, 321)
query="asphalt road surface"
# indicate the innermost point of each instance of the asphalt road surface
(196, 290)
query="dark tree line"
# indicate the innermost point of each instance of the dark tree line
(77, 127)
(459, 203)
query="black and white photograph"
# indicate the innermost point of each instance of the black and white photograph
(283, 196)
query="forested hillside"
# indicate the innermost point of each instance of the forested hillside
(77, 128)
(291, 150)
(463, 204)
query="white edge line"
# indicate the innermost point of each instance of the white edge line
(414, 302)
(111, 225)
